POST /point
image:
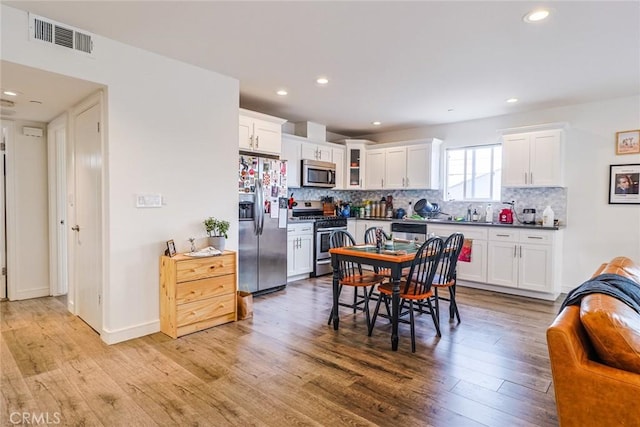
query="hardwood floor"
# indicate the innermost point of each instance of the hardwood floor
(285, 366)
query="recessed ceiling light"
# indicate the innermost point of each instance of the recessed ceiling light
(536, 15)
(376, 123)
(512, 100)
(322, 80)
(10, 93)
(282, 92)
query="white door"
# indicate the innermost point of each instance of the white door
(374, 175)
(535, 268)
(545, 161)
(87, 252)
(502, 264)
(56, 143)
(337, 157)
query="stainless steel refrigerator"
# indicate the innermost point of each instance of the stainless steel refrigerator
(262, 251)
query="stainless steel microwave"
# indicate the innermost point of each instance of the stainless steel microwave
(318, 174)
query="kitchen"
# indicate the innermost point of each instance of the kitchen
(321, 206)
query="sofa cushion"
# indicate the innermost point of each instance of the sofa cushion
(614, 330)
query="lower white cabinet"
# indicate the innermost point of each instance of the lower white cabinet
(363, 224)
(299, 249)
(476, 269)
(522, 259)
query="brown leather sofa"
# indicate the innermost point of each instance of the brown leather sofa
(594, 350)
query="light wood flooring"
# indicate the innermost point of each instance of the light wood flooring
(284, 367)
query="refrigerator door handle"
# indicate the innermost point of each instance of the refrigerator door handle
(256, 211)
(261, 207)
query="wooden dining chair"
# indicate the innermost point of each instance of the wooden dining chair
(445, 276)
(351, 274)
(415, 288)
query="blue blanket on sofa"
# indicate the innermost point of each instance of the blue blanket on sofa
(620, 287)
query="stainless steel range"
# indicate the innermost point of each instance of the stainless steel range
(322, 227)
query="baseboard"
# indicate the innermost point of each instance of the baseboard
(32, 293)
(124, 334)
(509, 291)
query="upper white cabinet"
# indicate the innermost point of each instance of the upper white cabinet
(291, 152)
(376, 166)
(313, 151)
(259, 132)
(532, 159)
(337, 157)
(408, 165)
(356, 163)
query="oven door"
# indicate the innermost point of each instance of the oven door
(323, 257)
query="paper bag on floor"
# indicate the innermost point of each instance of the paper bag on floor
(245, 305)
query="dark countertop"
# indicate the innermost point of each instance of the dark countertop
(463, 223)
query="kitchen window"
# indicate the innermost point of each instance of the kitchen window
(473, 173)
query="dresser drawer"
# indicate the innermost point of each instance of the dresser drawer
(202, 268)
(204, 288)
(196, 311)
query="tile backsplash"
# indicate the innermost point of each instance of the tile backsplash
(536, 198)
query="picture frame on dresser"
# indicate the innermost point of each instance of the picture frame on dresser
(624, 184)
(171, 249)
(628, 142)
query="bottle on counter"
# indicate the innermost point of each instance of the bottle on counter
(547, 217)
(489, 214)
(474, 216)
(367, 210)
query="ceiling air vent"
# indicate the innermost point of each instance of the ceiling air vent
(54, 33)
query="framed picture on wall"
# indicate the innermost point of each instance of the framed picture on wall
(624, 184)
(628, 142)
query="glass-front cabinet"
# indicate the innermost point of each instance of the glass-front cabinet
(355, 164)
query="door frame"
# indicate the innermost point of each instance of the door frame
(4, 202)
(58, 253)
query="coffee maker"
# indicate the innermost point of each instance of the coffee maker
(528, 216)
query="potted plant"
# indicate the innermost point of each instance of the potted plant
(217, 231)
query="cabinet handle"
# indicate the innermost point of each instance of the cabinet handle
(257, 141)
(502, 235)
(382, 183)
(515, 249)
(251, 141)
(525, 177)
(534, 237)
(520, 251)
(531, 179)
(407, 181)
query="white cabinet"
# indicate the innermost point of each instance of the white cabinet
(351, 228)
(291, 151)
(363, 224)
(375, 172)
(476, 269)
(523, 259)
(259, 132)
(404, 166)
(356, 163)
(337, 157)
(312, 151)
(299, 249)
(532, 159)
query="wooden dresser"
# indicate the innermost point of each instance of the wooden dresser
(197, 293)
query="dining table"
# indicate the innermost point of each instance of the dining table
(395, 260)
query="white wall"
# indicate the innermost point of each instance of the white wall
(172, 128)
(596, 231)
(28, 262)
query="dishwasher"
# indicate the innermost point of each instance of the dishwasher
(409, 231)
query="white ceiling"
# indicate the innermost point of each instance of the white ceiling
(405, 64)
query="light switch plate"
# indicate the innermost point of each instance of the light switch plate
(149, 200)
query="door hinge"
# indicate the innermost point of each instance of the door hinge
(98, 127)
(4, 271)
